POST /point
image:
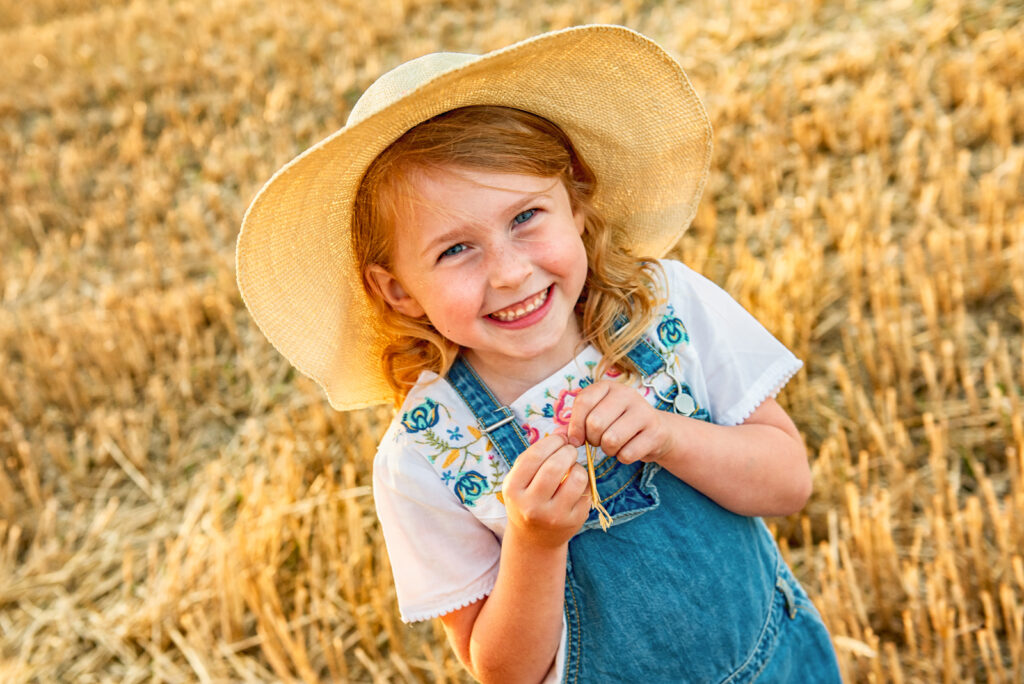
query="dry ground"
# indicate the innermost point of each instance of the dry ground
(177, 505)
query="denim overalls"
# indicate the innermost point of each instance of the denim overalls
(678, 589)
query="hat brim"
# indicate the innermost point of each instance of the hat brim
(627, 106)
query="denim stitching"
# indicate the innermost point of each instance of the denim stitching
(760, 655)
(651, 369)
(509, 459)
(578, 635)
(758, 652)
(487, 391)
(644, 356)
(463, 376)
(765, 660)
(611, 465)
(612, 495)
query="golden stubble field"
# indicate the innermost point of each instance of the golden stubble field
(177, 505)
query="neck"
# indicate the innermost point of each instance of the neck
(508, 382)
(508, 378)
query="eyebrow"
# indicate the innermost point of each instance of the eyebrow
(460, 229)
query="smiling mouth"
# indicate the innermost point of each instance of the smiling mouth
(517, 311)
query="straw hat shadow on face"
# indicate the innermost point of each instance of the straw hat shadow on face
(627, 106)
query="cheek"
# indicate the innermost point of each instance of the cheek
(571, 258)
(450, 303)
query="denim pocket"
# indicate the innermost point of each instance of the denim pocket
(625, 490)
(765, 647)
(794, 644)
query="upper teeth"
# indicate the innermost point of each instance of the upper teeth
(522, 309)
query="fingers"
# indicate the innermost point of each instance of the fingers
(581, 507)
(574, 495)
(586, 401)
(551, 475)
(639, 448)
(532, 458)
(543, 468)
(607, 415)
(620, 431)
(618, 419)
(575, 484)
(549, 507)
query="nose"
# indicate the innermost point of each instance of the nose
(509, 267)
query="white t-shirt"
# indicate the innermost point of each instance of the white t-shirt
(437, 480)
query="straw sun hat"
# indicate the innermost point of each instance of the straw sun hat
(624, 102)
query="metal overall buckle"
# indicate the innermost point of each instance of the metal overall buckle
(682, 403)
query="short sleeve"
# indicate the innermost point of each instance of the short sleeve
(742, 363)
(442, 557)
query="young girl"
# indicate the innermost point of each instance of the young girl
(480, 243)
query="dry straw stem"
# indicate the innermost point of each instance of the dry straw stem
(176, 505)
(595, 498)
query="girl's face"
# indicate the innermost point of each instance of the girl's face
(495, 261)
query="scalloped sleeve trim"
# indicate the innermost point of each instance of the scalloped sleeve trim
(767, 386)
(444, 605)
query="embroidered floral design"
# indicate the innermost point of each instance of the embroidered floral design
(532, 433)
(421, 417)
(562, 410)
(470, 487)
(457, 450)
(671, 330)
(559, 406)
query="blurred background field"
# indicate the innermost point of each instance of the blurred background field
(177, 505)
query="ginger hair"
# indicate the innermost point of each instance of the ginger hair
(504, 140)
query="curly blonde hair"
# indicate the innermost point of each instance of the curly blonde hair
(489, 138)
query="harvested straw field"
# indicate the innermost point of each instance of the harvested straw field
(178, 505)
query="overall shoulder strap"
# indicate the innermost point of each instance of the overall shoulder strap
(646, 358)
(498, 422)
(495, 420)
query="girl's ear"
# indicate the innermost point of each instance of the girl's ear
(389, 289)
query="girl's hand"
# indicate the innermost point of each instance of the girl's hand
(618, 419)
(546, 493)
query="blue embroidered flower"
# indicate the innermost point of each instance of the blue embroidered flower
(454, 434)
(671, 331)
(549, 411)
(584, 381)
(422, 417)
(447, 476)
(469, 487)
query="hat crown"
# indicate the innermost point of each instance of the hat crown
(403, 79)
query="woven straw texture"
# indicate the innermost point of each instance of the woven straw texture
(627, 106)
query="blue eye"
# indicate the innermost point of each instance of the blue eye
(452, 251)
(524, 217)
